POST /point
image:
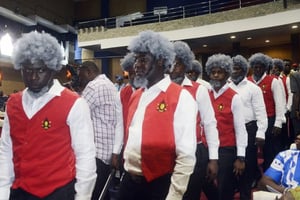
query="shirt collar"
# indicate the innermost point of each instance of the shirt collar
(186, 82)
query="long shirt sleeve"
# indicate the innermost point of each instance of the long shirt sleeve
(279, 100)
(82, 142)
(208, 121)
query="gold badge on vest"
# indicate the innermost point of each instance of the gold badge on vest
(220, 107)
(46, 124)
(162, 106)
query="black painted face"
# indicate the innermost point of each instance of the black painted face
(37, 76)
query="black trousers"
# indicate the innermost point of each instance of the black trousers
(103, 171)
(197, 178)
(273, 144)
(66, 192)
(137, 188)
(246, 179)
(226, 180)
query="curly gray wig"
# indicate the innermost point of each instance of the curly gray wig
(155, 44)
(278, 63)
(197, 67)
(127, 62)
(261, 59)
(184, 54)
(35, 46)
(219, 60)
(241, 62)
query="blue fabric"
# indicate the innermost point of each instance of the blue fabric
(285, 169)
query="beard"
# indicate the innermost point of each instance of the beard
(40, 93)
(256, 78)
(216, 84)
(237, 79)
(178, 79)
(140, 82)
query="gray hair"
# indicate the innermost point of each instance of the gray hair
(35, 46)
(219, 60)
(278, 63)
(184, 54)
(127, 62)
(197, 67)
(241, 62)
(261, 59)
(155, 44)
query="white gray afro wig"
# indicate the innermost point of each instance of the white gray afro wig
(35, 46)
(155, 44)
(219, 60)
(241, 62)
(260, 59)
(184, 54)
(197, 67)
(127, 62)
(278, 63)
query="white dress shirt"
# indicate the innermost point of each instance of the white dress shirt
(185, 137)
(254, 105)
(241, 135)
(278, 99)
(82, 140)
(208, 120)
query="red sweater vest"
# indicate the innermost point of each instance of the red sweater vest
(158, 150)
(224, 117)
(42, 154)
(265, 86)
(199, 129)
(125, 95)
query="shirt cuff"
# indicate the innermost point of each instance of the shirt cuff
(213, 153)
(241, 151)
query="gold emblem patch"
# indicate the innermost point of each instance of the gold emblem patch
(46, 124)
(161, 107)
(220, 107)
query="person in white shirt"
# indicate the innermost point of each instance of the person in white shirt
(160, 138)
(255, 119)
(47, 148)
(195, 74)
(207, 134)
(274, 102)
(228, 109)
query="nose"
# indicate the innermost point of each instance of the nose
(34, 75)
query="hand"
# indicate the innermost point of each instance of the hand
(115, 161)
(276, 131)
(212, 170)
(259, 142)
(239, 167)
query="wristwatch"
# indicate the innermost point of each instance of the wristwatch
(241, 158)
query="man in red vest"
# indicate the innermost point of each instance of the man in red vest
(274, 101)
(228, 109)
(160, 139)
(207, 134)
(47, 147)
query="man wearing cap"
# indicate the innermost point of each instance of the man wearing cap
(206, 127)
(47, 148)
(255, 120)
(160, 139)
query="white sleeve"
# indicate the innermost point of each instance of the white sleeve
(119, 127)
(81, 128)
(279, 99)
(7, 175)
(209, 121)
(239, 125)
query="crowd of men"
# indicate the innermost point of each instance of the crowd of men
(171, 134)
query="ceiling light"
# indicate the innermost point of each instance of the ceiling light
(294, 26)
(232, 37)
(267, 41)
(205, 45)
(249, 38)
